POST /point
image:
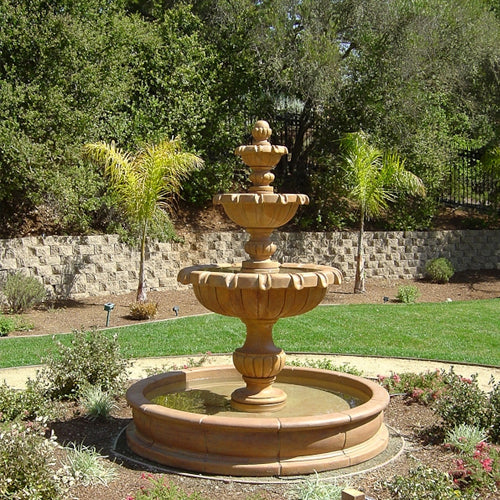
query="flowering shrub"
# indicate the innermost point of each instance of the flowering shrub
(423, 387)
(479, 469)
(28, 462)
(93, 358)
(23, 404)
(424, 482)
(463, 402)
(159, 489)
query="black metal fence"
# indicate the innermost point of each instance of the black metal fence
(470, 185)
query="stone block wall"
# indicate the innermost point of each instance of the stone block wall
(81, 266)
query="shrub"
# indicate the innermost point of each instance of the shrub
(92, 358)
(25, 404)
(423, 387)
(28, 460)
(96, 402)
(463, 402)
(480, 469)
(424, 482)
(494, 412)
(23, 292)
(408, 294)
(143, 310)
(439, 270)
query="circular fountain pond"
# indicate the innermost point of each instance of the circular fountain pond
(317, 430)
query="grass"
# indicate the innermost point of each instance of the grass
(456, 331)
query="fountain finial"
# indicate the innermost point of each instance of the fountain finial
(261, 156)
(261, 132)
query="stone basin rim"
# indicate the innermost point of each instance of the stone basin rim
(376, 398)
(301, 276)
(261, 198)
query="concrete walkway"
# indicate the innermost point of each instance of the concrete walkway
(370, 366)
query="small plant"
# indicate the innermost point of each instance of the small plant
(10, 324)
(408, 294)
(424, 482)
(439, 270)
(159, 489)
(143, 310)
(464, 438)
(85, 466)
(28, 462)
(326, 364)
(313, 489)
(7, 325)
(96, 402)
(22, 292)
(92, 358)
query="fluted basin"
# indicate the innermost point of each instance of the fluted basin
(226, 289)
(260, 210)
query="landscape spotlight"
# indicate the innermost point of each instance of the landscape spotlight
(109, 306)
(176, 310)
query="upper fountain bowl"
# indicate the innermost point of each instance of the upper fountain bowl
(260, 210)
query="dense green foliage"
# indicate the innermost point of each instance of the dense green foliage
(419, 77)
(439, 270)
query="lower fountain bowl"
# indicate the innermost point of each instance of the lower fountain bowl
(263, 445)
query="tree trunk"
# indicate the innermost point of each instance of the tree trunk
(141, 288)
(359, 281)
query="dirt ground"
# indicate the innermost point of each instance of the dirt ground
(89, 312)
(415, 423)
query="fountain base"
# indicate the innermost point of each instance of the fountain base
(270, 444)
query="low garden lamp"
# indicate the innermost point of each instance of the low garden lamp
(109, 306)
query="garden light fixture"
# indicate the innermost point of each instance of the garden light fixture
(109, 306)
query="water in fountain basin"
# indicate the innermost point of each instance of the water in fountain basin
(214, 399)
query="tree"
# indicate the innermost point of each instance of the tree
(144, 184)
(373, 179)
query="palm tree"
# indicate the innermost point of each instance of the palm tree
(373, 179)
(144, 183)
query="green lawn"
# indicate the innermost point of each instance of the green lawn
(456, 331)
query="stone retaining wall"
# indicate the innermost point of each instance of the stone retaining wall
(80, 266)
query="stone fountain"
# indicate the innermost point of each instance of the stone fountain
(266, 433)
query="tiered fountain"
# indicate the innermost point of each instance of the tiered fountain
(285, 420)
